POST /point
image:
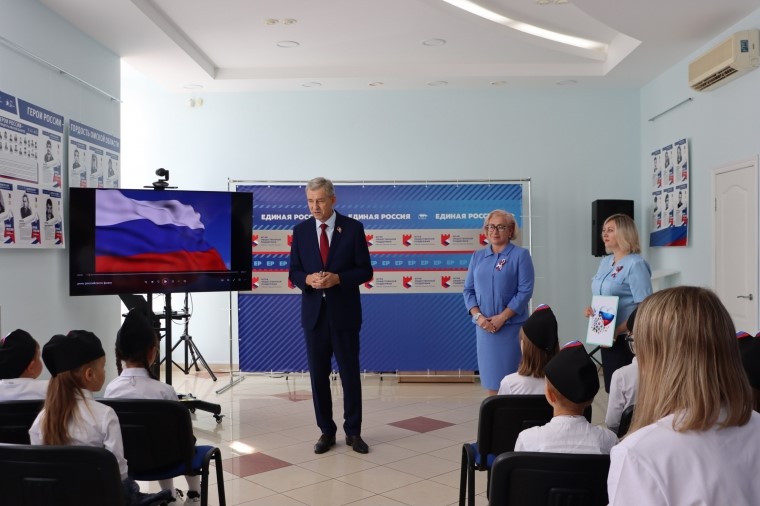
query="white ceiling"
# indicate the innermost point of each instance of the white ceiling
(227, 45)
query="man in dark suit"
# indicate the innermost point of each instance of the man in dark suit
(329, 260)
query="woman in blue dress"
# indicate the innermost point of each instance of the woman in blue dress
(624, 273)
(497, 289)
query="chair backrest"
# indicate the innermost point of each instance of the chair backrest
(503, 417)
(625, 420)
(16, 418)
(60, 475)
(549, 479)
(157, 434)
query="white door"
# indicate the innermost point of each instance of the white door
(735, 237)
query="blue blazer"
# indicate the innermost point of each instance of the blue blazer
(348, 258)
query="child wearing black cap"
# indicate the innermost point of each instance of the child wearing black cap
(137, 347)
(539, 342)
(20, 366)
(71, 416)
(572, 382)
(623, 385)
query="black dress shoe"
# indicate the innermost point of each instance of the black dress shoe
(357, 443)
(324, 443)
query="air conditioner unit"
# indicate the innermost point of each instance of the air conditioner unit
(734, 57)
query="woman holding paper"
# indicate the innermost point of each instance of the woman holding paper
(623, 273)
(497, 289)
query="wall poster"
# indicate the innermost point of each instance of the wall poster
(31, 154)
(94, 157)
(670, 195)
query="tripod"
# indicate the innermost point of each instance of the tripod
(191, 350)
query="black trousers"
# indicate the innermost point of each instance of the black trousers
(614, 358)
(321, 344)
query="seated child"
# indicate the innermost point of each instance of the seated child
(694, 437)
(71, 416)
(572, 381)
(750, 352)
(137, 348)
(20, 366)
(539, 342)
(623, 385)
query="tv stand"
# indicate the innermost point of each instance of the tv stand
(188, 400)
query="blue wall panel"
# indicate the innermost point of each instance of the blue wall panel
(442, 335)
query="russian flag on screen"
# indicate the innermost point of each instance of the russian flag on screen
(150, 236)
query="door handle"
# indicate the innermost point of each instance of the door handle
(745, 297)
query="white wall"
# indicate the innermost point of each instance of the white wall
(34, 293)
(576, 146)
(722, 126)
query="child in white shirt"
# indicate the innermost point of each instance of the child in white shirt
(623, 385)
(137, 348)
(20, 366)
(72, 417)
(572, 382)
(539, 342)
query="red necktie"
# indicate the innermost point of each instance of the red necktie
(324, 245)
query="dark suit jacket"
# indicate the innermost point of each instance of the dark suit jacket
(348, 257)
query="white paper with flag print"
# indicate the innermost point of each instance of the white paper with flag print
(601, 324)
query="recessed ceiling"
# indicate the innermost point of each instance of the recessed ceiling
(245, 45)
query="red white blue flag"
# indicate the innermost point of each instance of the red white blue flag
(150, 236)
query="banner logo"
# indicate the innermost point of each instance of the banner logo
(483, 241)
(407, 283)
(406, 239)
(370, 284)
(369, 240)
(446, 281)
(255, 239)
(254, 283)
(445, 239)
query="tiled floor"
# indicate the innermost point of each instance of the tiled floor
(415, 432)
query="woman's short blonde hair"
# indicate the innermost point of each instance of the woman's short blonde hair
(511, 222)
(626, 233)
(689, 363)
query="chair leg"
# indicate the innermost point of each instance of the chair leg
(219, 478)
(463, 477)
(470, 486)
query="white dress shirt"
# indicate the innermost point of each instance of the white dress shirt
(329, 230)
(657, 465)
(516, 384)
(566, 434)
(623, 387)
(92, 424)
(22, 389)
(136, 383)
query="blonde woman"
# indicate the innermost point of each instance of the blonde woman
(624, 273)
(497, 289)
(694, 438)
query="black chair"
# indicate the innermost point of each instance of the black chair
(159, 443)
(60, 475)
(16, 418)
(501, 419)
(549, 479)
(625, 420)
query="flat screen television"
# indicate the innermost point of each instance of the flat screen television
(158, 241)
